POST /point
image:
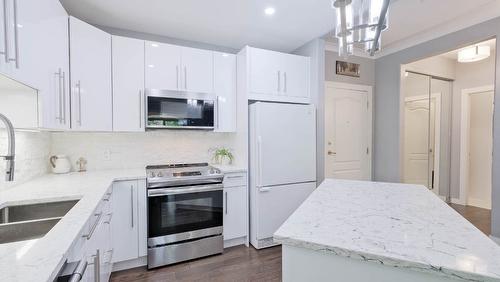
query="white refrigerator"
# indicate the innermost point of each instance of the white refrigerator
(282, 165)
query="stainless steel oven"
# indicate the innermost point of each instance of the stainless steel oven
(179, 110)
(185, 210)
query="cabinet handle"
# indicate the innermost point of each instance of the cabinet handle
(132, 205)
(16, 36)
(226, 202)
(97, 266)
(58, 75)
(64, 97)
(88, 236)
(279, 81)
(6, 29)
(185, 78)
(284, 78)
(79, 86)
(217, 113)
(140, 108)
(235, 176)
(177, 77)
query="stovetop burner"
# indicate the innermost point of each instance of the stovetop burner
(182, 174)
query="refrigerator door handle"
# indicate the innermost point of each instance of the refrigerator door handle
(259, 160)
(265, 189)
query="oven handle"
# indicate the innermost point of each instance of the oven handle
(184, 190)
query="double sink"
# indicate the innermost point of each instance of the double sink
(32, 221)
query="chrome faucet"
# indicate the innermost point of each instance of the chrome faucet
(9, 158)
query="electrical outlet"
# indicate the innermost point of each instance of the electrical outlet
(107, 155)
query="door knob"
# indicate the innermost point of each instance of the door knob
(331, 153)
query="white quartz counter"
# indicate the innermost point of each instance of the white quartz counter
(40, 259)
(229, 168)
(397, 225)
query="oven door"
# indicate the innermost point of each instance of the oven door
(184, 213)
(171, 110)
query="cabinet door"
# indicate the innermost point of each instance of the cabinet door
(235, 212)
(142, 212)
(124, 228)
(128, 84)
(265, 73)
(90, 77)
(225, 91)
(296, 71)
(197, 70)
(163, 66)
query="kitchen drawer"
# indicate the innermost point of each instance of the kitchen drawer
(235, 179)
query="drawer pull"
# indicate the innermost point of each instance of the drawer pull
(88, 236)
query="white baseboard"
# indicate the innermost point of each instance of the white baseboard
(495, 239)
(235, 242)
(457, 201)
(133, 263)
(480, 203)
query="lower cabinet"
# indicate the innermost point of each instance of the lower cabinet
(129, 220)
(235, 212)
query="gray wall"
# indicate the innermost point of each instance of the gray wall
(316, 50)
(367, 69)
(387, 104)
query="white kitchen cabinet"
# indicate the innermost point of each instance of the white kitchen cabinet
(128, 84)
(37, 43)
(197, 70)
(235, 212)
(90, 49)
(225, 91)
(278, 77)
(125, 228)
(163, 66)
(171, 67)
(142, 212)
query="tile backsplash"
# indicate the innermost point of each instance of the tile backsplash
(32, 156)
(136, 150)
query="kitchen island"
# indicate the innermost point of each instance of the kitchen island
(370, 231)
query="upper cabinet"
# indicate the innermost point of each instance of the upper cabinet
(274, 76)
(128, 84)
(34, 51)
(90, 49)
(171, 67)
(225, 91)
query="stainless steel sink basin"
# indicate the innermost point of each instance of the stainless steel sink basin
(25, 222)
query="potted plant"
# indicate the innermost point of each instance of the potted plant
(223, 156)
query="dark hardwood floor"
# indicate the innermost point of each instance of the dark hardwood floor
(481, 218)
(236, 264)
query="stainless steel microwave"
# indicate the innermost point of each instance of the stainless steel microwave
(179, 110)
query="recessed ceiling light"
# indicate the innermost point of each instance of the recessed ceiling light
(269, 11)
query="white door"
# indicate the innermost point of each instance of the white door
(235, 212)
(265, 75)
(277, 203)
(421, 141)
(348, 127)
(225, 90)
(125, 225)
(197, 70)
(480, 149)
(163, 66)
(128, 84)
(286, 143)
(296, 76)
(90, 50)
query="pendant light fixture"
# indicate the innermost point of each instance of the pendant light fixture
(360, 22)
(473, 54)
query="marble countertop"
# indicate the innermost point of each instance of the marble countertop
(41, 259)
(229, 168)
(398, 225)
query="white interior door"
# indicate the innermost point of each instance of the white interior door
(286, 143)
(480, 149)
(348, 124)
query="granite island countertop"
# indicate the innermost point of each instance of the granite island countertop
(398, 225)
(40, 259)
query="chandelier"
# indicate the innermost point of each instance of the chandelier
(359, 22)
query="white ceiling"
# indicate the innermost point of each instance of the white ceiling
(235, 23)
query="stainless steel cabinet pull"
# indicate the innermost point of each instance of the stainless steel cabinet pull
(97, 266)
(5, 30)
(132, 205)
(279, 81)
(140, 109)
(64, 96)
(16, 36)
(177, 77)
(234, 176)
(185, 78)
(79, 86)
(88, 236)
(284, 78)
(226, 202)
(59, 85)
